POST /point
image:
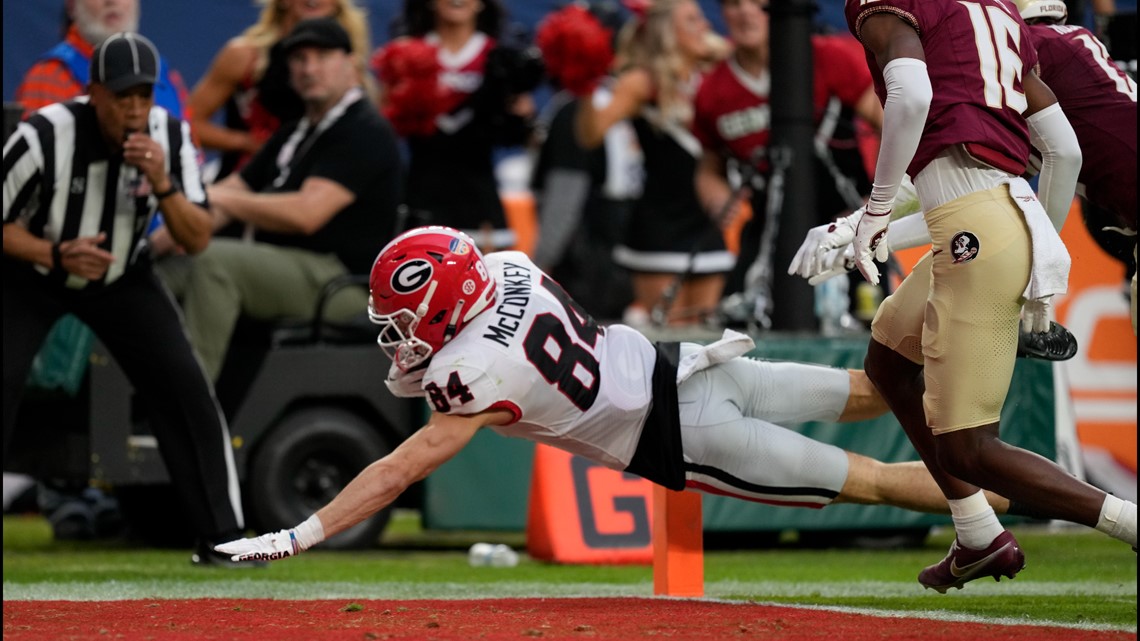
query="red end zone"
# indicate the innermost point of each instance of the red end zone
(610, 619)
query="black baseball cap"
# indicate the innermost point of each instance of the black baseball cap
(124, 60)
(324, 33)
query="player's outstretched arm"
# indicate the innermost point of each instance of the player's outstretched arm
(373, 489)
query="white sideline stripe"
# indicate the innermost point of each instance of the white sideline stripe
(717, 591)
(733, 590)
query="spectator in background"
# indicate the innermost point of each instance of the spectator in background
(485, 102)
(732, 120)
(249, 78)
(111, 161)
(320, 194)
(584, 199)
(63, 72)
(661, 52)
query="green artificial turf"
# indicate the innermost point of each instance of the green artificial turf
(1074, 575)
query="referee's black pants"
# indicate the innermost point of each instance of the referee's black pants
(140, 324)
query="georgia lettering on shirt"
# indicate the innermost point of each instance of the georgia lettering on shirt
(512, 309)
(739, 124)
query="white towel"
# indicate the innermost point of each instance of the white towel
(1051, 262)
(730, 345)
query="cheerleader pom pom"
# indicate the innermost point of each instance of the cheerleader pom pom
(576, 49)
(409, 70)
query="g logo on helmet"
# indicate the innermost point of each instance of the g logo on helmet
(411, 276)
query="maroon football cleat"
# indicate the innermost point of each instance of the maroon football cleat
(1003, 557)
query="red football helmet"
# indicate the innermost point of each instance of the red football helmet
(426, 285)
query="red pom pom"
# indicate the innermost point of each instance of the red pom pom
(409, 70)
(576, 49)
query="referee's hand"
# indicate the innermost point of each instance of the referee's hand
(143, 152)
(84, 257)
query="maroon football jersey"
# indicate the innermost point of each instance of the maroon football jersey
(977, 52)
(731, 114)
(1100, 102)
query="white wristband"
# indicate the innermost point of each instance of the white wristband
(309, 533)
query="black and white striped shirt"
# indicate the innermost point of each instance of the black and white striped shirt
(62, 181)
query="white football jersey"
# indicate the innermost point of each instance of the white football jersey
(568, 382)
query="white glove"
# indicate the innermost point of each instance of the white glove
(276, 545)
(871, 243)
(1035, 315)
(837, 263)
(810, 261)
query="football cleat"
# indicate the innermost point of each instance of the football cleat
(1057, 344)
(1003, 557)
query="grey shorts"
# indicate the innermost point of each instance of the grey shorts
(732, 438)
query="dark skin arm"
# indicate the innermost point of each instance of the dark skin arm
(888, 37)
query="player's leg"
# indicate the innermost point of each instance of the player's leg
(907, 485)
(969, 339)
(733, 446)
(894, 365)
(749, 458)
(781, 392)
(754, 460)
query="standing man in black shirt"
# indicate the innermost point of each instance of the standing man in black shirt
(82, 181)
(320, 196)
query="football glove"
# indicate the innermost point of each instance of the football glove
(869, 239)
(275, 546)
(810, 262)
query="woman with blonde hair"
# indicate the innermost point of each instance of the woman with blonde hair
(250, 79)
(661, 54)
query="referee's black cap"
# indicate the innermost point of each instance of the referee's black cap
(124, 60)
(324, 33)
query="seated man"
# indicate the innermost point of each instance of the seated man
(317, 196)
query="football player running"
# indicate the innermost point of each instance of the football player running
(496, 343)
(959, 119)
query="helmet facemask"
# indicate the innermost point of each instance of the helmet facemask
(426, 285)
(398, 333)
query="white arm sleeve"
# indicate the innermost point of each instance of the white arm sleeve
(1052, 135)
(904, 117)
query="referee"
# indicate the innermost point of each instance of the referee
(82, 180)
